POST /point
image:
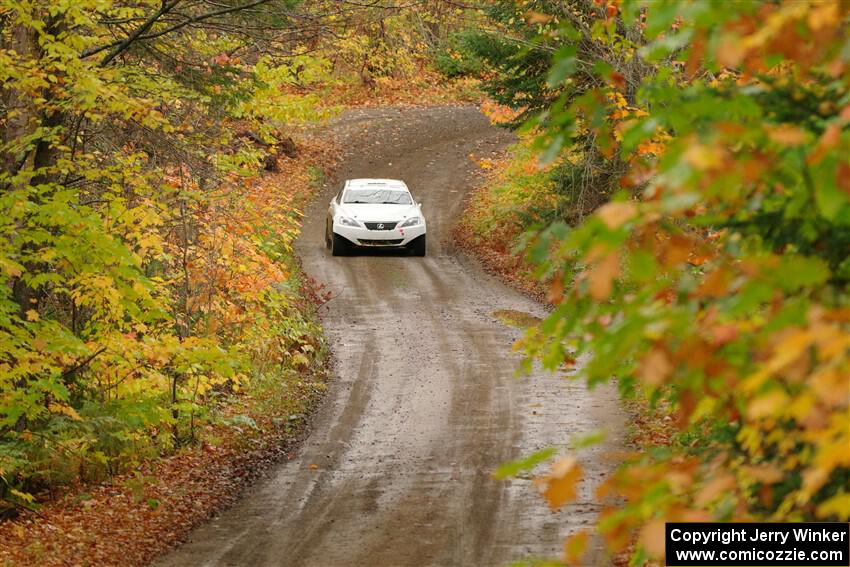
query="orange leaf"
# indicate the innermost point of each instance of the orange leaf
(619, 80)
(715, 284)
(722, 334)
(677, 250)
(786, 134)
(575, 547)
(534, 18)
(556, 290)
(720, 484)
(652, 538)
(830, 138)
(616, 213)
(655, 367)
(559, 486)
(730, 52)
(601, 277)
(766, 474)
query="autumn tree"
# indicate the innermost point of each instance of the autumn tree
(714, 284)
(535, 64)
(128, 133)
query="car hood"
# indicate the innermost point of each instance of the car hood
(364, 212)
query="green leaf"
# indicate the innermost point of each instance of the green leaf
(564, 65)
(528, 463)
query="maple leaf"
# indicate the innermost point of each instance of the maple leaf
(602, 275)
(560, 484)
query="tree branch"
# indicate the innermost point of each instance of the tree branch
(137, 36)
(120, 45)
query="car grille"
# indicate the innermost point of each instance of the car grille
(380, 225)
(392, 242)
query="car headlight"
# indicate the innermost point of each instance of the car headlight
(345, 221)
(412, 221)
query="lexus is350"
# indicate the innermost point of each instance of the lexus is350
(374, 213)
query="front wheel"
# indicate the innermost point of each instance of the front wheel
(339, 245)
(417, 247)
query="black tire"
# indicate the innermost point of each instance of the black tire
(339, 246)
(417, 247)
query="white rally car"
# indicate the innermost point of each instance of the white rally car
(374, 213)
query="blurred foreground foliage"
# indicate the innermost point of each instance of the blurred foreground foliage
(708, 273)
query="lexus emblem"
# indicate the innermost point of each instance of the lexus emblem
(380, 226)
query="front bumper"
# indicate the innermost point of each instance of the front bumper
(377, 238)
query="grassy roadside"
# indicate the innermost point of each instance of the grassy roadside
(513, 194)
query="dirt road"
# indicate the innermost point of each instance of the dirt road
(425, 405)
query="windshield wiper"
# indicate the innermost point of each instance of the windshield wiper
(391, 203)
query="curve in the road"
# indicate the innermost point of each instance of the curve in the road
(425, 404)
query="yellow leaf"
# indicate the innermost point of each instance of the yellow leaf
(64, 410)
(26, 497)
(10, 267)
(18, 530)
(704, 157)
(32, 315)
(299, 358)
(838, 505)
(485, 164)
(559, 486)
(767, 405)
(824, 14)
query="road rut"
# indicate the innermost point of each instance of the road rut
(425, 403)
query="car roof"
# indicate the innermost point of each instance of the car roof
(392, 184)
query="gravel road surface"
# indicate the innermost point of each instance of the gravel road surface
(425, 403)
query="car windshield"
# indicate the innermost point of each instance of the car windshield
(378, 196)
